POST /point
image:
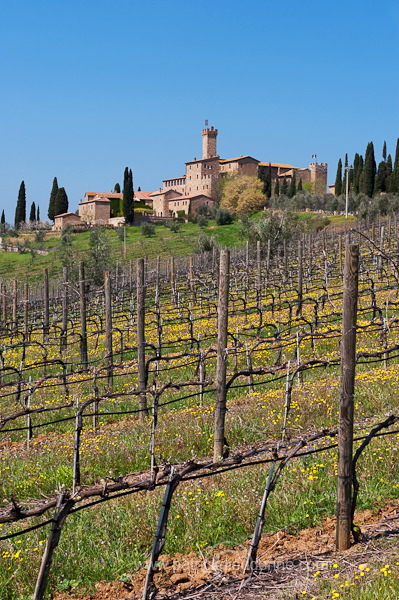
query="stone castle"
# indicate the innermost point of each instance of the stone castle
(200, 183)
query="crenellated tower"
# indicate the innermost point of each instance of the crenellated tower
(209, 142)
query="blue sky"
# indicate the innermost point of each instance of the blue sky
(91, 86)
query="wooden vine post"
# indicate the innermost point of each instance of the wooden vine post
(221, 392)
(108, 327)
(64, 332)
(83, 324)
(141, 338)
(46, 308)
(347, 389)
(63, 508)
(15, 305)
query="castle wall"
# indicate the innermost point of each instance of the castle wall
(318, 176)
(202, 177)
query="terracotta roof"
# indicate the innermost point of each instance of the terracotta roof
(191, 196)
(163, 192)
(266, 164)
(67, 214)
(173, 178)
(105, 194)
(225, 160)
(142, 195)
(98, 198)
(214, 158)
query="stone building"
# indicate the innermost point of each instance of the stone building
(95, 209)
(202, 177)
(61, 221)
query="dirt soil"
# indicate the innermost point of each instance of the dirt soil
(285, 564)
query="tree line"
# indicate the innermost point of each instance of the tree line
(365, 177)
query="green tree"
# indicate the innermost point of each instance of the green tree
(394, 179)
(357, 172)
(292, 190)
(384, 151)
(128, 193)
(20, 211)
(338, 179)
(284, 187)
(61, 202)
(369, 171)
(38, 213)
(3, 218)
(265, 175)
(382, 177)
(117, 188)
(389, 172)
(51, 207)
(300, 186)
(32, 214)
(242, 194)
(276, 191)
(100, 255)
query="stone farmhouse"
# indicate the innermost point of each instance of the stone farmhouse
(96, 209)
(200, 183)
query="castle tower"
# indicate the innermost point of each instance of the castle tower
(318, 176)
(209, 142)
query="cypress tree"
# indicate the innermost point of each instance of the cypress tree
(32, 215)
(127, 203)
(292, 190)
(266, 177)
(369, 170)
(300, 186)
(117, 188)
(358, 169)
(38, 213)
(338, 179)
(277, 188)
(51, 207)
(3, 218)
(268, 182)
(20, 211)
(394, 180)
(284, 187)
(384, 151)
(389, 172)
(61, 202)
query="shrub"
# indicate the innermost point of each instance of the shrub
(172, 225)
(40, 235)
(206, 243)
(147, 229)
(223, 216)
(201, 221)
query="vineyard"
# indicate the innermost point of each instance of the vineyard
(187, 403)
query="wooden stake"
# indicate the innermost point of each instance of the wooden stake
(46, 308)
(62, 510)
(347, 389)
(83, 327)
(141, 338)
(220, 409)
(108, 327)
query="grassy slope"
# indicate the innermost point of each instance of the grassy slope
(27, 266)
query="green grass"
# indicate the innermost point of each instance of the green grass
(27, 266)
